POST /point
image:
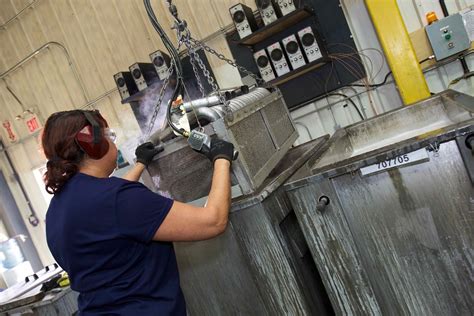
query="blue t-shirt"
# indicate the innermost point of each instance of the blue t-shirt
(101, 232)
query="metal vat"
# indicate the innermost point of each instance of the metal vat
(397, 241)
(261, 265)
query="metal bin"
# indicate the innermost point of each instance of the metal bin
(261, 264)
(391, 236)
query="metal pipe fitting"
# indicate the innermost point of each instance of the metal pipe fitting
(323, 202)
(199, 103)
(207, 113)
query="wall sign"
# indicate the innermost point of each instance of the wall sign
(11, 134)
(33, 124)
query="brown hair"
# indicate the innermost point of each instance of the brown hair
(60, 147)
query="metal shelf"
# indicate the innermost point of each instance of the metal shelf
(298, 72)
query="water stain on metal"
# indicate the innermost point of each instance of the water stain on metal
(404, 196)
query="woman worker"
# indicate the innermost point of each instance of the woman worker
(114, 236)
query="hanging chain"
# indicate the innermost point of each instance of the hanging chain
(185, 37)
(166, 81)
(160, 99)
(193, 60)
(191, 44)
(227, 60)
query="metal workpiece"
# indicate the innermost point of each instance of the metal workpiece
(261, 130)
(209, 114)
(397, 236)
(261, 265)
(199, 103)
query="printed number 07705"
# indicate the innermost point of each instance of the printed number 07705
(394, 161)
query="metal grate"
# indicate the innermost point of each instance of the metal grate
(279, 121)
(254, 142)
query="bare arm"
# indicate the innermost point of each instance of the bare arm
(185, 222)
(135, 173)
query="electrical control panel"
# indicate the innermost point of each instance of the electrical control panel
(293, 51)
(125, 84)
(269, 10)
(244, 20)
(264, 65)
(448, 36)
(162, 63)
(144, 75)
(287, 6)
(310, 44)
(278, 58)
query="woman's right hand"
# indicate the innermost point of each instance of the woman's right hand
(220, 149)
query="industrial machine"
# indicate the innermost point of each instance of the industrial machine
(387, 210)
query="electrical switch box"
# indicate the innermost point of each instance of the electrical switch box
(448, 36)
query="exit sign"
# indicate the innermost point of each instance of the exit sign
(33, 124)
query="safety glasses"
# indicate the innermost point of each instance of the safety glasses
(110, 134)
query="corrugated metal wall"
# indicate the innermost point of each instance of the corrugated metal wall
(77, 46)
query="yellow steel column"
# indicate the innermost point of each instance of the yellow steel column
(398, 49)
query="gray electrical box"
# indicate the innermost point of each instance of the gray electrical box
(448, 36)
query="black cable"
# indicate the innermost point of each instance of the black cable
(465, 67)
(375, 85)
(426, 59)
(176, 62)
(350, 100)
(444, 8)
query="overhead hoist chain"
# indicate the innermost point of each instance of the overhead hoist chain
(212, 51)
(166, 81)
(193, 45)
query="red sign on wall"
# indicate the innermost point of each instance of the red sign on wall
(11, 134)
(33, 124)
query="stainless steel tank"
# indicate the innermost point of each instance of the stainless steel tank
(387, 211)
(261, 265)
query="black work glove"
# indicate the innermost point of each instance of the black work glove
(220, 149)
(145, 152)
